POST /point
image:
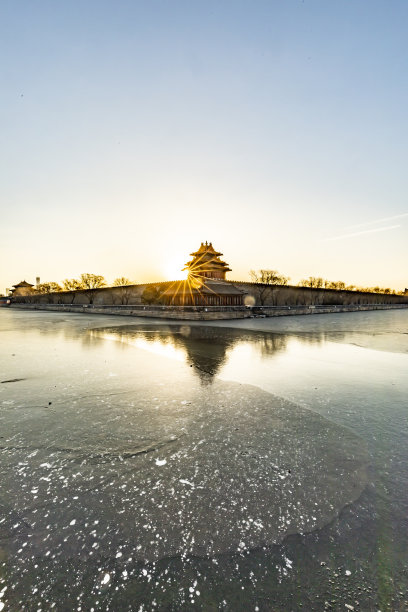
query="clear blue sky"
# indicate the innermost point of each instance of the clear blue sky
(132, 131)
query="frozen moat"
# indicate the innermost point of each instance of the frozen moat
(147, 466)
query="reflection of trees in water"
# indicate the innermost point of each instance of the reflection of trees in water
(90, 340)
(73, 332)
(61, 330)
(319, 337)
(206, 349)
(268, 344)
(64, 329)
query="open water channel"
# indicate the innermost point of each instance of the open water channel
(246, 465)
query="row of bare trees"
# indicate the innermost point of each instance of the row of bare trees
(269, 281)
(317, 282)
(88, 283)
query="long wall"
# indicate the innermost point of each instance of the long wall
(205, 313)
(256, 295)
(289, 295)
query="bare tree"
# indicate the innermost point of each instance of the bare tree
(314, 282)
(121, 281)
(90, 283)
(124, 286)
(268, 277)
(268, 283)
(72, 285)
(48, 289)
(151, 295)
(337, 285)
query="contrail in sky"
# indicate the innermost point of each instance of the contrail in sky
(383, 220)
(369, 231)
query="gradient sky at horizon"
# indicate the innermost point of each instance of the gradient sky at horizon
(133, 131)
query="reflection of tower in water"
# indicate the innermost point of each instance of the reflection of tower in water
(205, 349)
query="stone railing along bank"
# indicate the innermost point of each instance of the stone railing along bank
(204, 313)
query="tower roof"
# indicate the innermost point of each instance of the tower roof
(23, 284)
(206, 262)
(206, 247)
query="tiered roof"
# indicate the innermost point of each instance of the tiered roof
(206, 262)
(206, 248)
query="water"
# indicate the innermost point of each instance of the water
(244, 465)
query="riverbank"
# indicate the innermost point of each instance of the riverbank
(204, 313)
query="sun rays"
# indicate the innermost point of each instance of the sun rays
(205, 284)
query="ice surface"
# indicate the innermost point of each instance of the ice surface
(175, 468)
(165, 460)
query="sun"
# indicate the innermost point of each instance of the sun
(173, 269)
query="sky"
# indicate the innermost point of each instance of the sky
(131, 131)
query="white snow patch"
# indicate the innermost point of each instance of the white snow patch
(106, 579)
(187, 482)
(161, 462)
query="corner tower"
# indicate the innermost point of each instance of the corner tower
(206, 263)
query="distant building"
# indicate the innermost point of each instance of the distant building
(22, 288)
